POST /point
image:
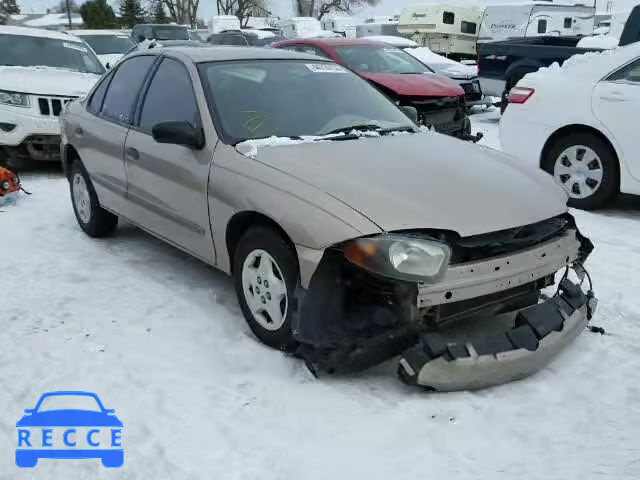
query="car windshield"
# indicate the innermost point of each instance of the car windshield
(27, 51)
(69, 402)
(109, 44)
(258, 99)
(170, 33)
(379, 59)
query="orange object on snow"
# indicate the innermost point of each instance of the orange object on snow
(9, 186)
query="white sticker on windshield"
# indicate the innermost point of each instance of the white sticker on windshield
(325, 68)
(74, 46)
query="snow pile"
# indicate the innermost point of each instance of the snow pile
(605, 42)
(570, 65)
(426, 56)
(52, 19)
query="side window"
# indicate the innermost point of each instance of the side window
(468, 27)
(542, 26)
(629, 73)
(235, 40)
(449, 18)
(308, 49)
(95, 104)
(568, 22)
(119, 102)
(170, 97)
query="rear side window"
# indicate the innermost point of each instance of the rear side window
(542, 26)
(468, 27)
(95, 104)
(119, 102)
(628, 74)
(449, 18)
(170, 97)
(568, 22)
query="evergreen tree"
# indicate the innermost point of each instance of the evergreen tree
(98, 14)
(158, 13)
(131, 13)
(8, 7)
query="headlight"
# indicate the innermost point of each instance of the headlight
(399, 256)
(14, 99)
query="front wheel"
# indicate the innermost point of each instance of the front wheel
(586, 167)
(94, 220)
(265, 274)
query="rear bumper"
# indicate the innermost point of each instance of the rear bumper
(539, 334)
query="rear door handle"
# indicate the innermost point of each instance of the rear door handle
(614, 97)
(132, 153)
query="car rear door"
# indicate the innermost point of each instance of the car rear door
(616, 103)
(167, 184)
(100, 135)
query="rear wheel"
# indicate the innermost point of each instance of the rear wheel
(586, 167)
(265, 274)
(94, 220)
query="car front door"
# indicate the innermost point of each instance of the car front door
(616, 102)
(167, 184)
(101, 133)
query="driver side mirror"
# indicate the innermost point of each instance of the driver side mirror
(178, 133)
(411, 112)
(28, 410)
(141, 38)
(108, 66)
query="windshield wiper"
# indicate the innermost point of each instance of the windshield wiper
(362, 127)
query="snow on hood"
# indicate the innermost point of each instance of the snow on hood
(446, 66)
(415, 85)
(423, 181)
(598, 41)
(46, 81)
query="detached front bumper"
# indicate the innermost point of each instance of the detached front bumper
(539, 334)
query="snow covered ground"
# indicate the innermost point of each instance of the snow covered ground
(160, 338)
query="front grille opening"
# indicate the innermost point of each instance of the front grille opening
(43, 103)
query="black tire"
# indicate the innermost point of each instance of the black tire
(265, 238)
(610, 184)
(100, 222)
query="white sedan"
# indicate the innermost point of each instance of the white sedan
(579, 122)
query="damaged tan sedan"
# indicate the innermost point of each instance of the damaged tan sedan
(351, 235)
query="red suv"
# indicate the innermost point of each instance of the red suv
(439, 100)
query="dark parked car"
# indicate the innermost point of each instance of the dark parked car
(148, 31)
(440, 101)
(245, 38)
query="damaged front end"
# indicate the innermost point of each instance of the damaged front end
(359, 311)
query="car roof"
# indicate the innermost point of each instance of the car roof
(97, 32)
(170, 25)
(331, 42)
(226, 53)
(37, 32)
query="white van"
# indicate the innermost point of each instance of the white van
(444, 29)
(300, 27)
(220, 23)
(502, 22)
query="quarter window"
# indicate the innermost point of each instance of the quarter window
(448, 17)
(629, 73)
(170, 97)
(568, 22)
(468, 27)
(542, 26)
(120, 100)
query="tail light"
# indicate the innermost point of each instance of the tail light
(520, 94)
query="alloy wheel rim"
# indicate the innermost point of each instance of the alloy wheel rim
(579, 170)
(265, 290)
(81, 198)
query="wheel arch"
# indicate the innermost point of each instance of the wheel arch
(571, 129)
(241, 222)
(69, 155)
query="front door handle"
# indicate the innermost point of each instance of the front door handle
(132, 153)
(614, 97)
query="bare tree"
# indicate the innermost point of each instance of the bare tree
(320, 8)
(243, 9)
(183, 12)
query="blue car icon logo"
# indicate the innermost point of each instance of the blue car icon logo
(69, 425)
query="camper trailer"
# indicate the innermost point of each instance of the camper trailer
(502, 22)
(444, 29)
(300, 27)
(220, 23)
(387, 26)
(345, 26)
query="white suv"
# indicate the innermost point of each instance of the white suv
(40, 71)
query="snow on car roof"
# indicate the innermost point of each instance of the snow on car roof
(37, 32)
(81, 33)
(589, 66)
(395, 41)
